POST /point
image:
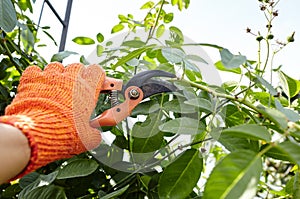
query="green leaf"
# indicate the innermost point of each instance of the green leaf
(296, 185)
(62, 55)
(117, 28)
(236, 143)
(196, 58)
(290, 86)
(147, 5)
(24, 5)
(287, 151)
(132, 55)
(160, 30)
(8, 17)
(84, 60)
(27, 39)
(145, 108)
(147, 136)
(177, 34)
(77, 168)
(174, 2)
(275, 116)
(168, 17)
(42, 180)
(220, 66)
(47, 192)
(231, 61)
(173, 55)
(235, 176)
(179, 106)
(134, 43)
(270, 88)
(183, 125)
(191, 66)
(290, 114)
(180, 177)
(115, 193)
(204, 104)
(100, 37)
(234, 116)
(28, 179)
(100, 50)
(251, 131)
(83, 40)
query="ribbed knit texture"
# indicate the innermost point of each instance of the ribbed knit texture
(52, 108)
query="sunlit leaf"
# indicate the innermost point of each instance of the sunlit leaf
(100, 37)
(231, 61)
(100, 50)
(147, 5)
(235, 176)
(160, 30)
(174, 2)
(181, 176)
(168, 17)
(177, 34)
(117, 28)
(83, 40)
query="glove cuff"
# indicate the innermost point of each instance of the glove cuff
(46, 146)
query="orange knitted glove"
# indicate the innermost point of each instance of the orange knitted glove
(53, 108)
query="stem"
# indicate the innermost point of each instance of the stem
(267, 56)
(19, 69)
(151, 32)
(223, 95)
(259, 56)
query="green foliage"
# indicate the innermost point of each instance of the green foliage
(227, 141)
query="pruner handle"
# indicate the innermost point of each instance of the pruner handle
(111, 117)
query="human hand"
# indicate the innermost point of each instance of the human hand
(53, 107)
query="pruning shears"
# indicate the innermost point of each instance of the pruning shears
(139, 87)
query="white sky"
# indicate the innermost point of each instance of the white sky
(221, 22)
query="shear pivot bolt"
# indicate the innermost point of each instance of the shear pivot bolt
(134, 93)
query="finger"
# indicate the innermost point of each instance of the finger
(30, 73)
(54, 67)
(95, 77)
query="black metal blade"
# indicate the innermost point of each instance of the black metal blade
(154, 87)
(150, 87)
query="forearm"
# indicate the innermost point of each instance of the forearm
(14, 152)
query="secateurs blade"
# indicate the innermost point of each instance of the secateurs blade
(137, 88)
